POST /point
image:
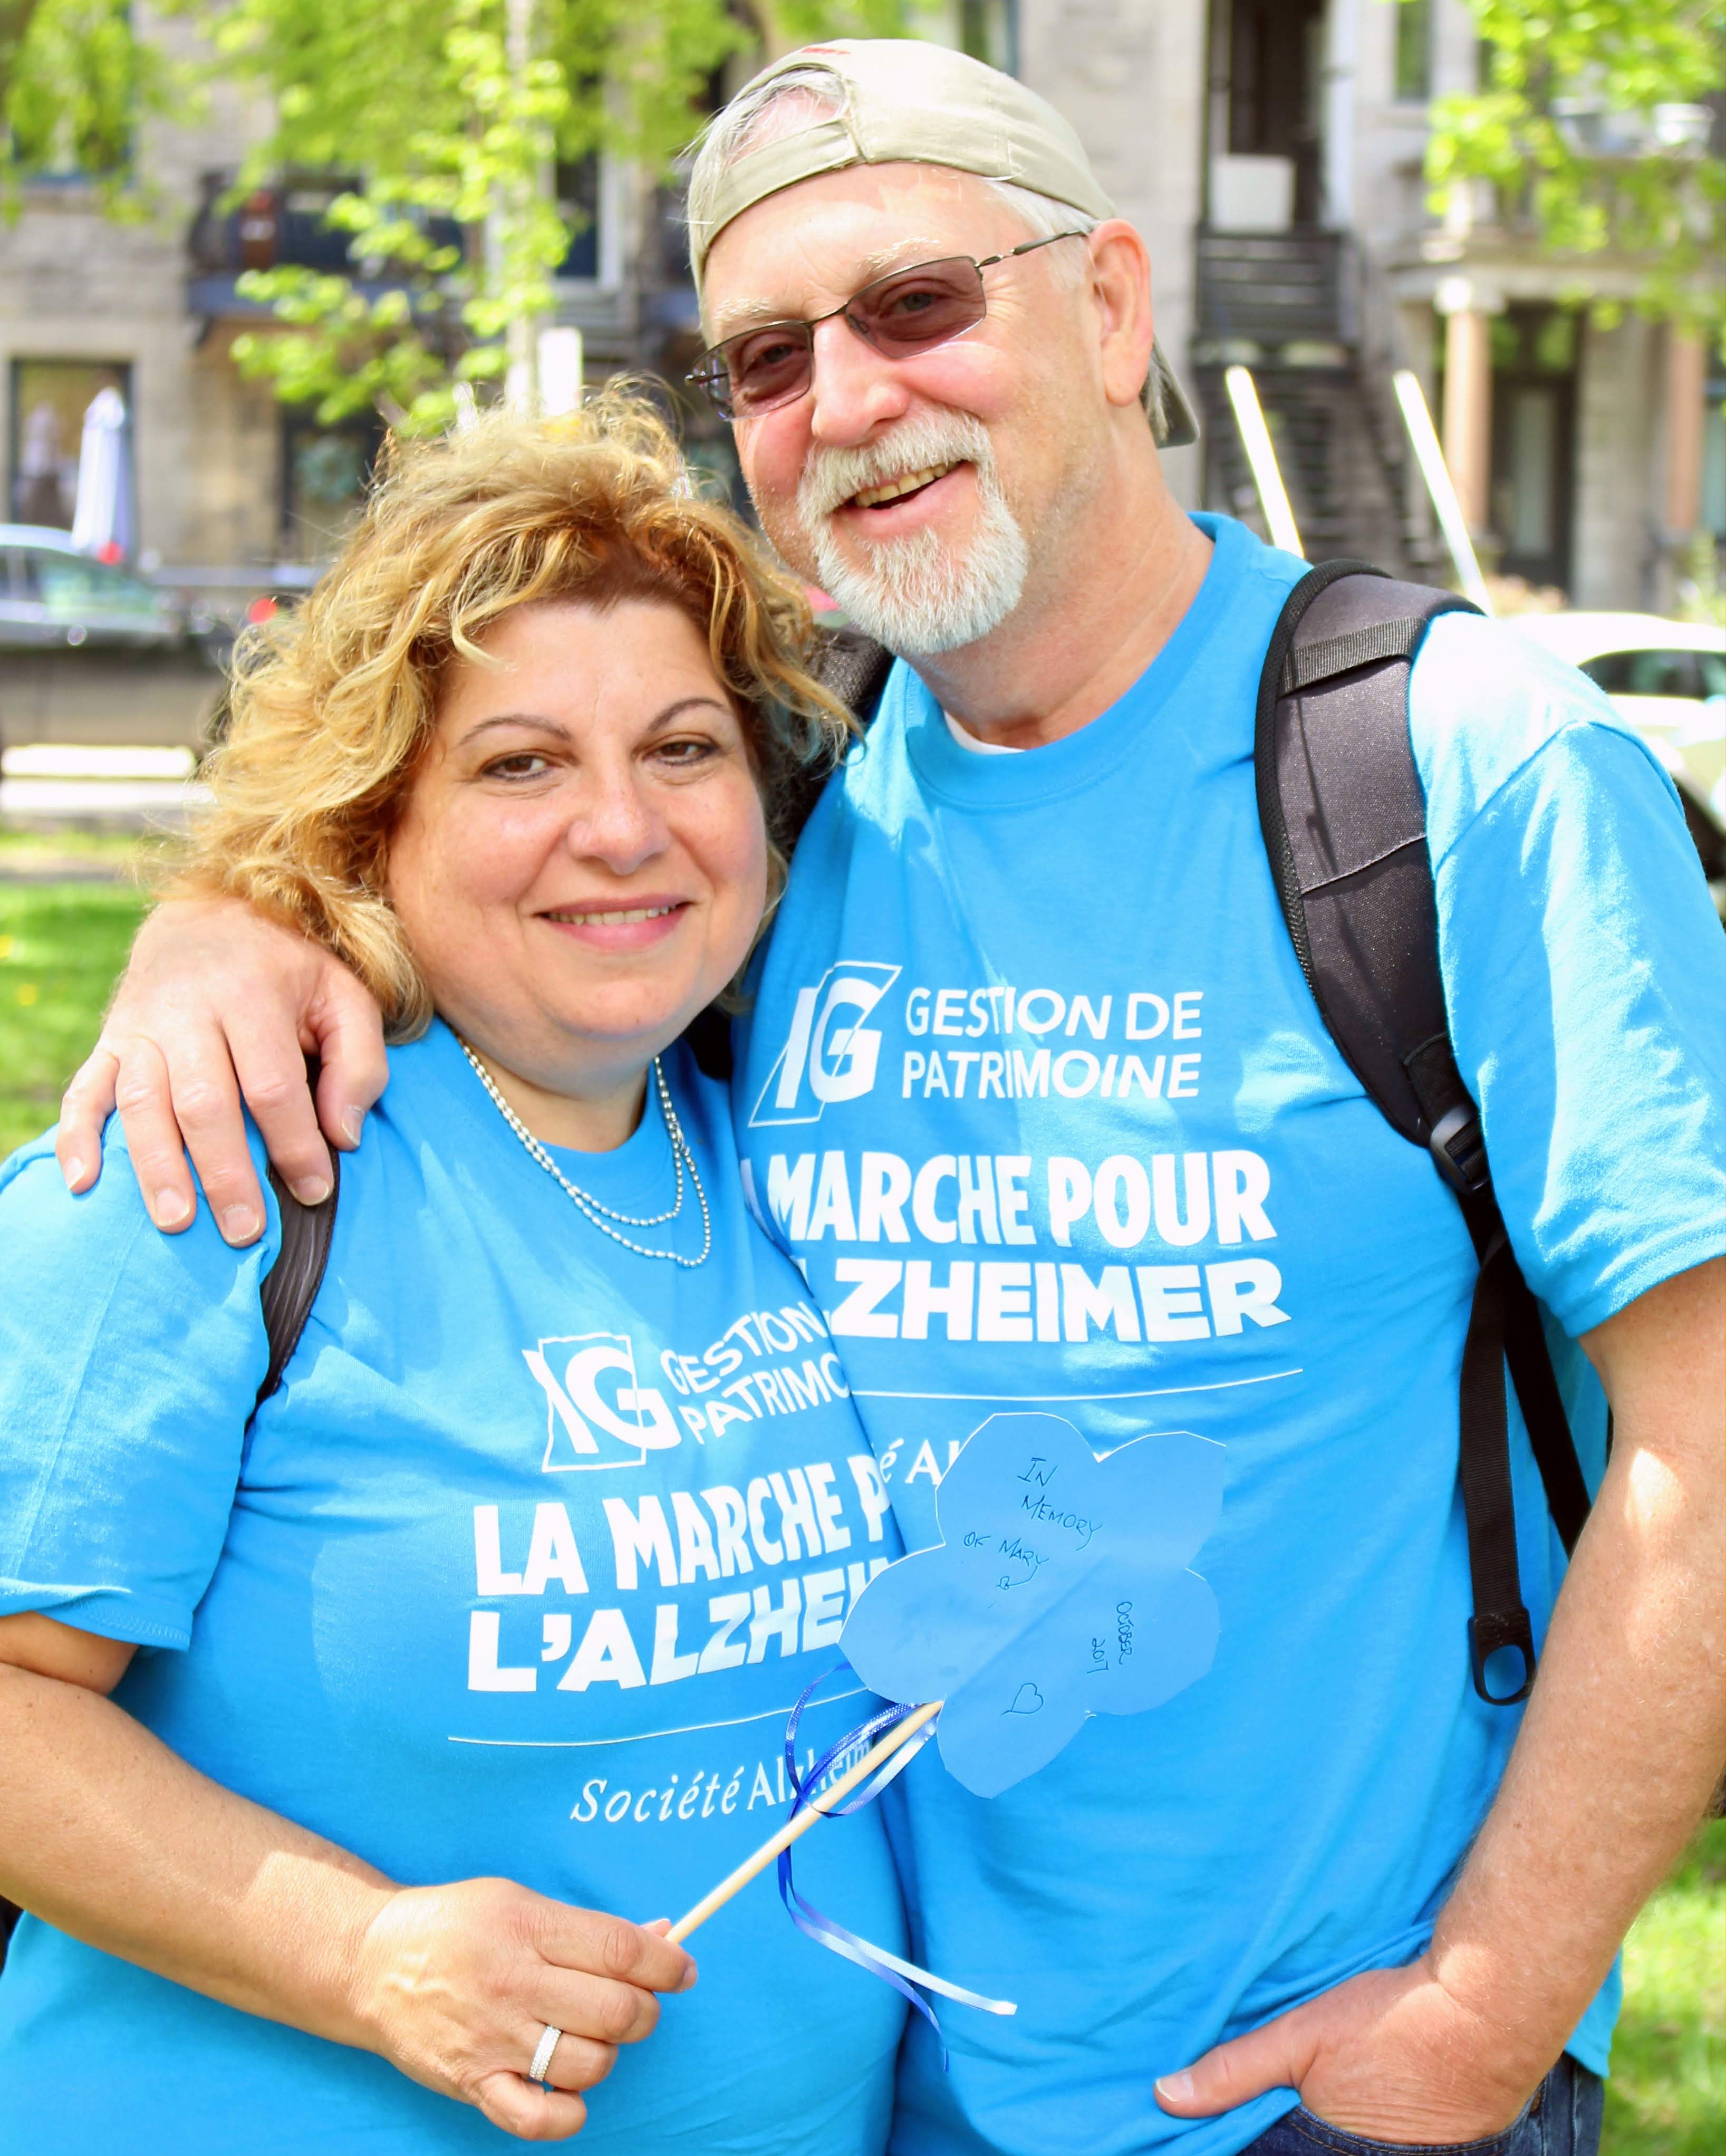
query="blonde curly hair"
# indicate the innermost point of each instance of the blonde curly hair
(334, 703)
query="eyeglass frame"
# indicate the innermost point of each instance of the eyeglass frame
(806, 326)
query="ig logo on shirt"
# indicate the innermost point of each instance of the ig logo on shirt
(592, 1419)
(830, 1054)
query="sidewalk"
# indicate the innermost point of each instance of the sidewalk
(68, 811)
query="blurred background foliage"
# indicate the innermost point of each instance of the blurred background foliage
(455, 112)
(1667, 2095)
(1592, 115)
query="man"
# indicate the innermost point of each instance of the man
(1032, 1085)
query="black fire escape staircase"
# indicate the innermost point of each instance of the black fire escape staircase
(1284, 305)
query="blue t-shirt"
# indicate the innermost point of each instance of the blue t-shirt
(518, 1573)
(1036, 1094)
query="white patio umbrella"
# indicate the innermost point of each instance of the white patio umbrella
(102, 522)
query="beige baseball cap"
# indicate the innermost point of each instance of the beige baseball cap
(909, 102)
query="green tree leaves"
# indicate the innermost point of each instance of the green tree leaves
(1578, 124)
(453, 113)
(450, 115)
(74, 80)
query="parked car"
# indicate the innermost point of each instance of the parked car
(94, 654)
(1668, 680)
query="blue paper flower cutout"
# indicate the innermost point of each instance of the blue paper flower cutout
(1060, 1589)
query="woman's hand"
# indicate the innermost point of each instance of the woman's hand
(218, 1003)
(107, 1835)
(454, 1986)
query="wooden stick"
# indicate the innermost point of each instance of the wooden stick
(804, 1821)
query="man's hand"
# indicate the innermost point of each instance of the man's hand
(1389, 2055)
(218, 1003)
(1619, 1751)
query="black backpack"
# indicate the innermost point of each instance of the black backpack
(1344, 822)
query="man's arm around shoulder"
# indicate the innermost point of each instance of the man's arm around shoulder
(218, 1002)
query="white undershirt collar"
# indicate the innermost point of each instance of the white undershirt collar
(971, 741)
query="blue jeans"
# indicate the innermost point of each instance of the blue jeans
(1561, 2118)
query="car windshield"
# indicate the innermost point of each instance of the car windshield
(69, 585)
(1658, 673)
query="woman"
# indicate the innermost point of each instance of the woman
(561, 1502)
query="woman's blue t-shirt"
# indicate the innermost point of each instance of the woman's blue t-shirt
(518, 1573)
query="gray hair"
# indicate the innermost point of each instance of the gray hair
(738, 128)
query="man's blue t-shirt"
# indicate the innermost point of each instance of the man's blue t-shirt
(1036, 1094)
(518, 1574)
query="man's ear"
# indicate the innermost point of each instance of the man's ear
(1120, 289)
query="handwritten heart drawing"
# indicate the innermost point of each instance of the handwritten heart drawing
(1095, 1611)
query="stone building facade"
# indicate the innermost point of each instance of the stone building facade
(87, 298)
(1271, 151)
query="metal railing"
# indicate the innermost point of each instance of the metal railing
(1429, 458)
(1262, 457)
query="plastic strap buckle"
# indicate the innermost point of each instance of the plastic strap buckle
(1487, 1634)
(1458, 1147)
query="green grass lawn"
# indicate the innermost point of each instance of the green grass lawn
(61, 944)
(1667, 2093)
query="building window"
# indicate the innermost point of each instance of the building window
(1534, 350)
(325, 471)
(1714, 460)
(581, 199)
(1414, 51)
(49, 398)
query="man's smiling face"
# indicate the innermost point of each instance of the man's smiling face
(918, 491)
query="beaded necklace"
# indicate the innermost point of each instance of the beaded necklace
(602, 1215)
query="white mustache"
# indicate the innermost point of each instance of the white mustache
(832, 476)
(917, 593)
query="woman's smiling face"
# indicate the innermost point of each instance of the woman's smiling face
(582, 862)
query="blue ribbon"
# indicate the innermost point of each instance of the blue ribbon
(902, 1975)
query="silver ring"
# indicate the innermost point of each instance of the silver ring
(549, 2040)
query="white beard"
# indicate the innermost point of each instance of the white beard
(914, 594)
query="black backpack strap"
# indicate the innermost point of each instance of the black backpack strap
(707, 1037)
(291, 1286)
(287, 1293)
(1344, 822)
(855, 669)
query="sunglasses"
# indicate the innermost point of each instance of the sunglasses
(906, 312)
